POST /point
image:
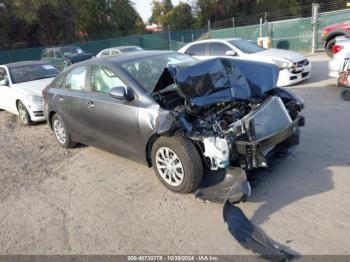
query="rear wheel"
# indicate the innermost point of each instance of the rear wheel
(23, 113)
(329, 47)
(177, 164)
(345, 94)
(61, 133)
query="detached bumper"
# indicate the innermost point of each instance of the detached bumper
(228, 184)
(254, 153)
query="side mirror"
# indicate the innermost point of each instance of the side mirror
(120, 92)
(231, 53)
(4, 82)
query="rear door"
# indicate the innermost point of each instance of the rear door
(70, 100)
(112, 123)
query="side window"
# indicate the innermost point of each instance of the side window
(218, 49)
(197, 50)
(58, 54)
(59, 82)
(44, 53)
(114, 52)
(105, 53)
(3, 74)
(75, 79)
(50, 53)
(104, 79)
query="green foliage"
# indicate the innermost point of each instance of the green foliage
(179, 18)
(160, 9)
(49, 22)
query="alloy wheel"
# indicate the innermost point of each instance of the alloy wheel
(22, 113)
(59, 131)
(169, 166)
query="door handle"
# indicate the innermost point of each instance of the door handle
(91, 104)
(60, 99)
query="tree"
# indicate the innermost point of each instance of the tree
(179, 18)
(160, 9)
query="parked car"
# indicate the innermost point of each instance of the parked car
(64, 56)
(118, 50)
(21, 85)
(331, 32)
(341, 49)
(294, 67)
(177, 114)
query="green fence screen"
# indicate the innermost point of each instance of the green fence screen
(293, 34)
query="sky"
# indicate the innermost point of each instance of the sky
(144, 7)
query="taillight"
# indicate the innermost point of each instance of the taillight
(337, 48)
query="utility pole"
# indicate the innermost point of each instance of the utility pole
(169, 36)
(209, 26)
(315, 8)
(233, 26)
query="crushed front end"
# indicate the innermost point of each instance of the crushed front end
(237, 117)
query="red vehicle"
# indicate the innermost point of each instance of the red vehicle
(330, 32)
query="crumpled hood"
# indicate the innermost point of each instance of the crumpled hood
(219, 80)
(34, 87)
(279, 53)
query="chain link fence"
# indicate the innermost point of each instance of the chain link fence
(302, 33)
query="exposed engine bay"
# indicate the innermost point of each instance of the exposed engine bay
(235, 119)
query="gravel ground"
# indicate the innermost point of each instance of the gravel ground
(86, 201)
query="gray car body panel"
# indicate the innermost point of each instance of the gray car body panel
(140, 119)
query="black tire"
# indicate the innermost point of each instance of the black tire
(61, 133)
(345, 94)
(189, 159)
(23, 114)
(329, 47)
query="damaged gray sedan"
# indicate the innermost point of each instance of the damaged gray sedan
(182, 116)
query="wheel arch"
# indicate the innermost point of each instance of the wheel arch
(335, 33)
(149, 146)
(49, 118)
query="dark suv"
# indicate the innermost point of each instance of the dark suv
(64, 56)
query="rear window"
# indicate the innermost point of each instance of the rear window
(28, 73)
(131, 49)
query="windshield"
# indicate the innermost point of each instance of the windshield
(147, 71)
(130, 49)
(245, 46)
(71, 50)
(32, 72)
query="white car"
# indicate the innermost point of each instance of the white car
(294, 67)
(341, 50)
(21, 86)
(118, 50)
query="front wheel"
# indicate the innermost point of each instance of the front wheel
(23, 113)
(61, 133)
(177, 164)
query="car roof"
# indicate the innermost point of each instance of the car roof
(119, 47)
(216, 39)
(131, 56)
(25, 63)
(62, 46)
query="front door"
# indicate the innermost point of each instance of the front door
(113, 122)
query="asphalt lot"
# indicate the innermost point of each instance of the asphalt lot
(86, 201)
